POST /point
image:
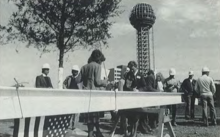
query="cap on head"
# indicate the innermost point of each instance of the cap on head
(46, 66)
(191, 73)
(172, 71)
(75, 67)
(205, 69)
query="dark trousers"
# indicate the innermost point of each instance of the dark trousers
(130, 118)
(153, 120)
(113, 115)
(172, 109)
(144, 126)
(207, 100)
(190, 106)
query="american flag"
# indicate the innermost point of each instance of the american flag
(45, 126)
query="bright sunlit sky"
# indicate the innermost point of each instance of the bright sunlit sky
(186, 37)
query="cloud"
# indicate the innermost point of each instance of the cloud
(203, 17)
(187, 10)
(198, 33)
(120, 29)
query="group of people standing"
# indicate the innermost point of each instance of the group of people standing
(89, 78)
(134, 81)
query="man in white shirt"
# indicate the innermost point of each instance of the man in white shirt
(205, 87)
(172, 85)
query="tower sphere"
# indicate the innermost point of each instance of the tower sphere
(142, 15)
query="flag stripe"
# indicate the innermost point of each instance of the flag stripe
(31, 127)
(16, 127)
(41, 127)
(26, 126)
(21, 128)
(36, 127)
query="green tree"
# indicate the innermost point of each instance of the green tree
(64, 23)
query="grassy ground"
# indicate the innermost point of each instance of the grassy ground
(185, 128)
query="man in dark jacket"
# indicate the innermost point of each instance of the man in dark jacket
(134, 82)
(72, 81)
(43, 81)
(150, 81)
(188, 87)
(150, 119)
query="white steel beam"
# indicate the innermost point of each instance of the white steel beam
(31, 102)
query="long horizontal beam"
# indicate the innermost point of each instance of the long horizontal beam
(31, 102)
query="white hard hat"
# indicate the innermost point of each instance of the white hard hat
(46, 66)
(127, 69)
(191, 73)
(205, 69)
(75, 67)
(172, 71)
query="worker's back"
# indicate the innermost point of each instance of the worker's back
(205, 85)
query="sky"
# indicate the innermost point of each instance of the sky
(186, 37)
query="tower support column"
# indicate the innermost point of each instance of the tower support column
(143, 50)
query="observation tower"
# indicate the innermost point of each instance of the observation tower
(142, 18)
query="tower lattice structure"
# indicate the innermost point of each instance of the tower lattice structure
(142, 19)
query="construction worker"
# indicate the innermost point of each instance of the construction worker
(205, 87)
(188, 87)
(43, 81)
(73, 82)
(172, 85)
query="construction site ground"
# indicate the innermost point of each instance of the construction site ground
(185, 128)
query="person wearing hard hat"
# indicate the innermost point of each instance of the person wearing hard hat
(188, 87)
(205, 87)
(172, 85)
(72, 81)
(43, 81)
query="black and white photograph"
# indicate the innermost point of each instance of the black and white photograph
(109, 68)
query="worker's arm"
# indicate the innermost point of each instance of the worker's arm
(183, 87)
(197, 89)
(65, 83)
(213, 89)
(177, 86)
(37, 82)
